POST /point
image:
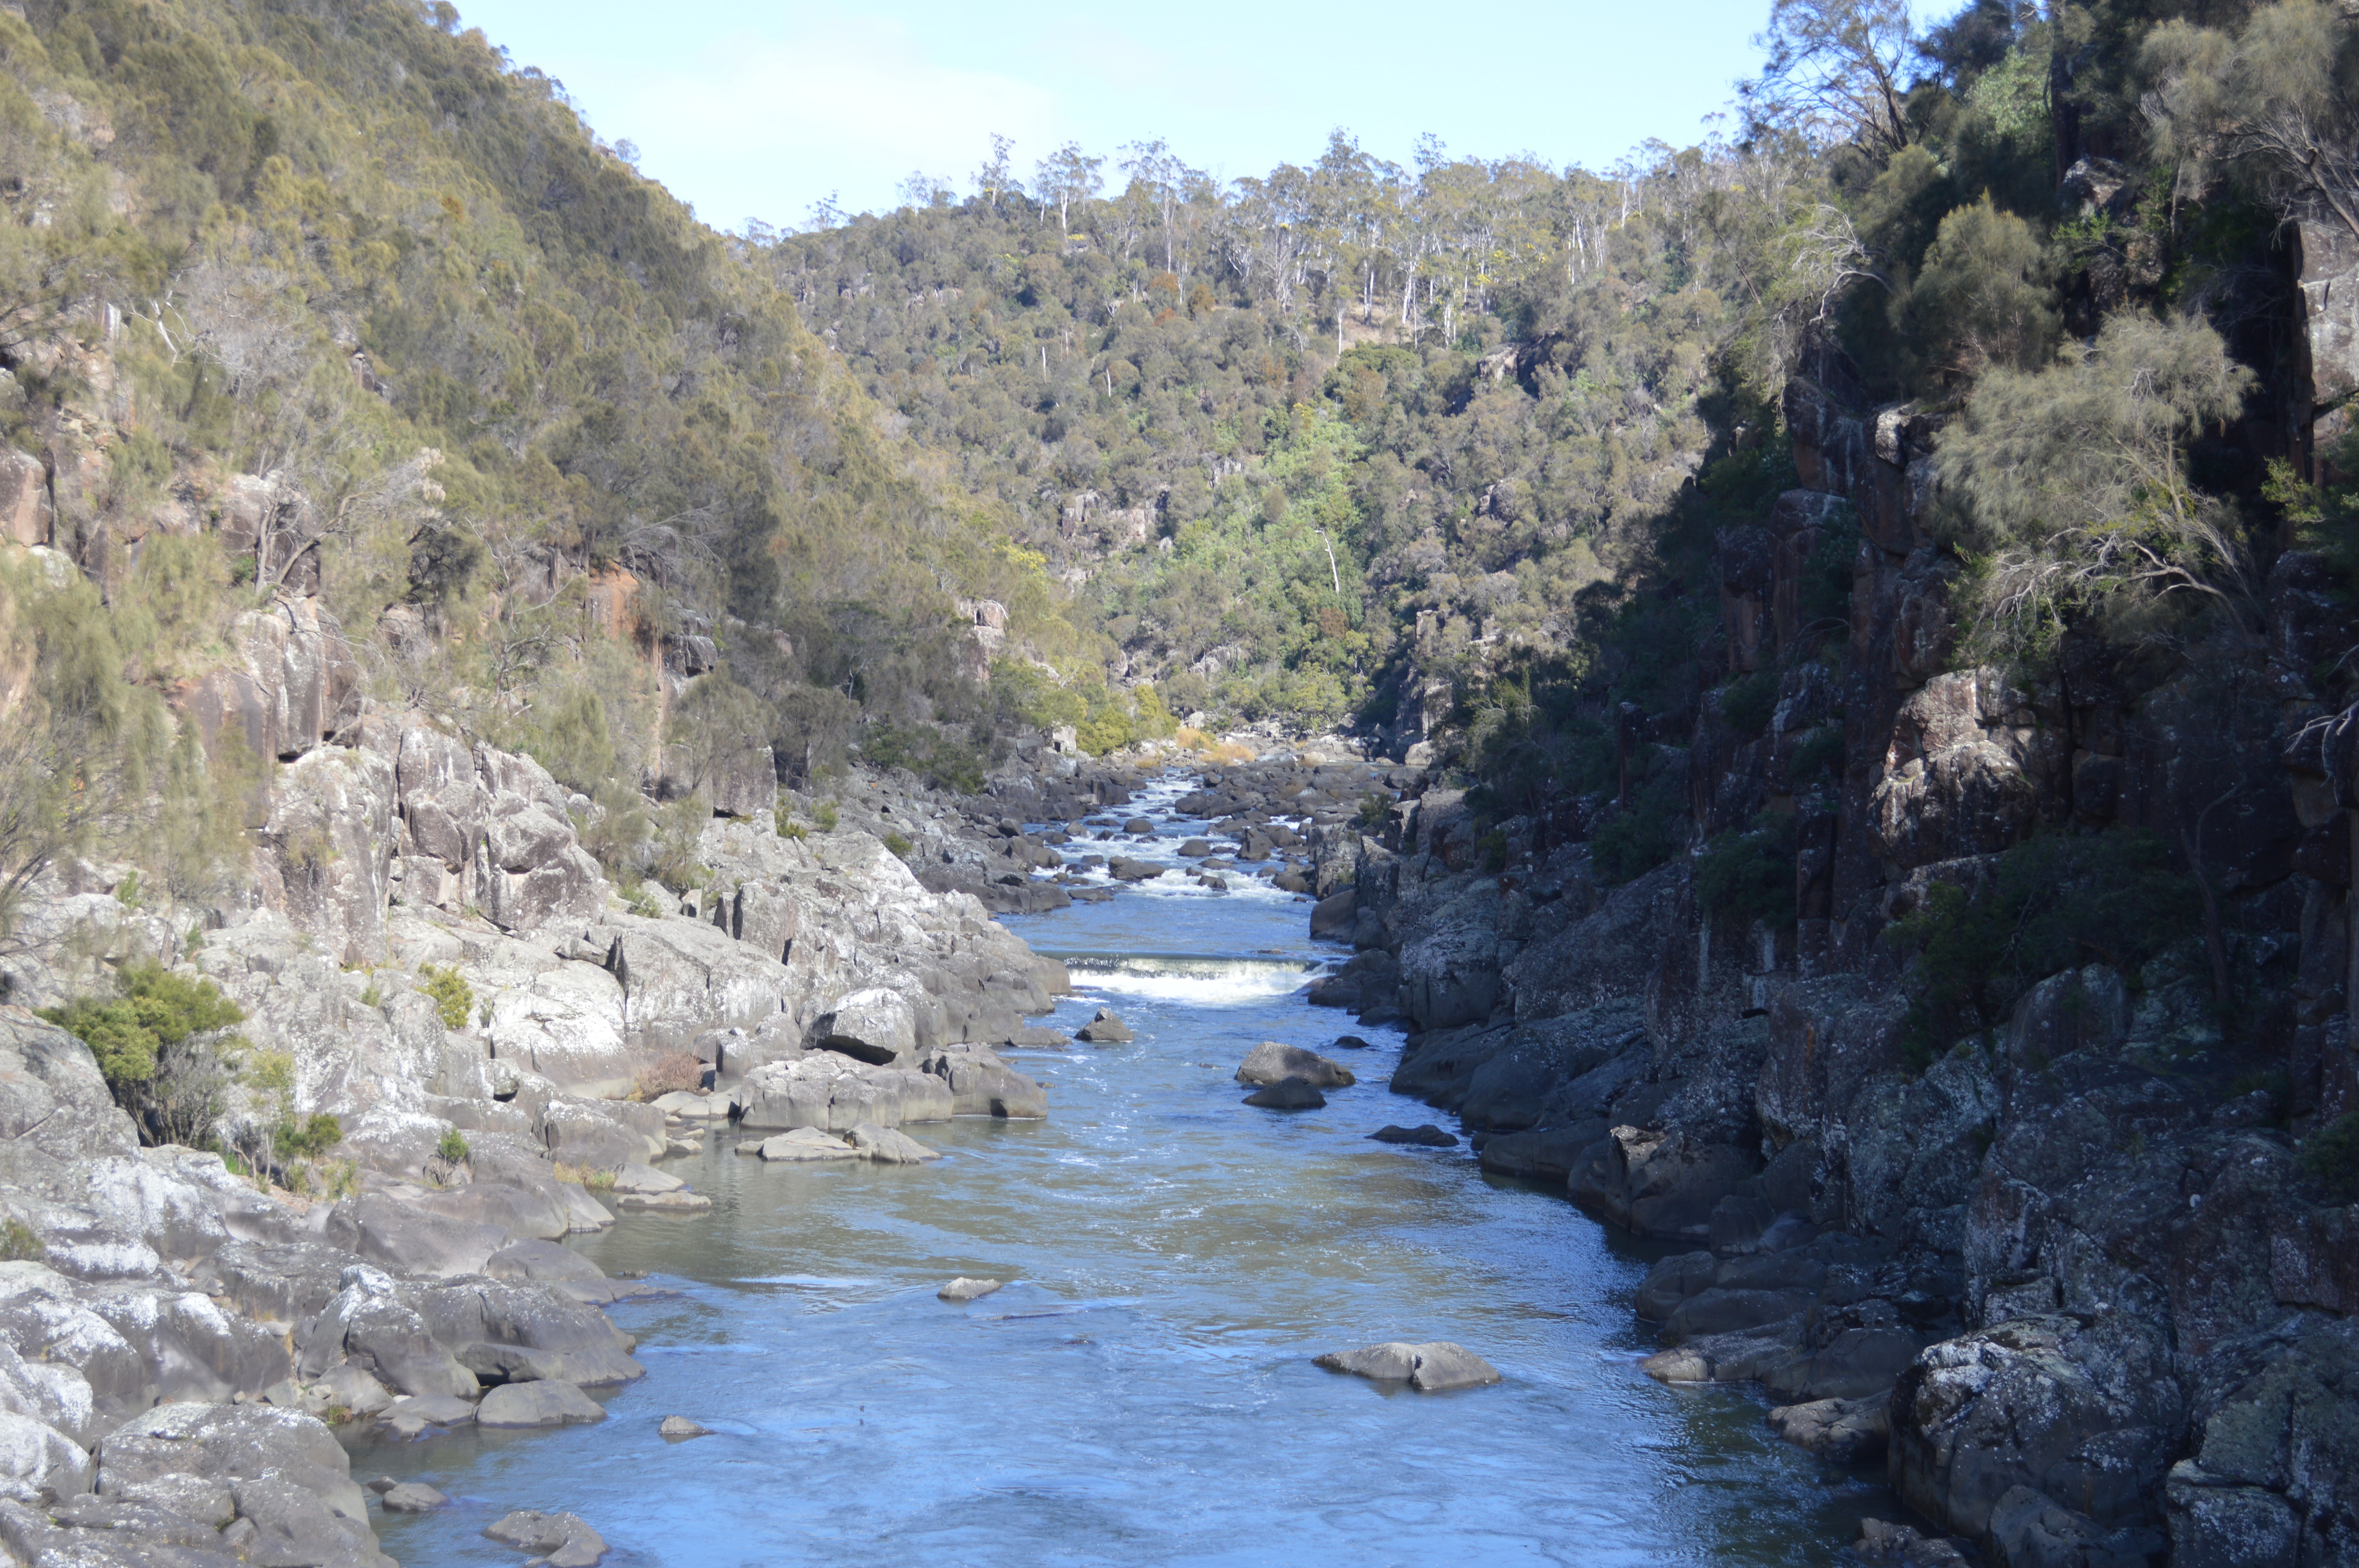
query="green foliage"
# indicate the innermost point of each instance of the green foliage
(20, 1243)
(453, 1148)
(1749, 703)
(1982, 297)
(2075, 500)
(938, 759)
(2330, 1156)
(898, 845)
(452, 996)
(2051, 904)
(1746, 876)
(157, 1011)
(824, 817)
(1375, 807)
(1643, 834)
(1817, 758)
(787, 828)
(307, 1139)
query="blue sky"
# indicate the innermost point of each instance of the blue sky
(759, 111)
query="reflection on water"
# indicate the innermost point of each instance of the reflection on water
(1142, 1390)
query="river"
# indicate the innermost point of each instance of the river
(1142, 1390)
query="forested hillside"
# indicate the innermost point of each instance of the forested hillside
(1445, 449)
(331, 307)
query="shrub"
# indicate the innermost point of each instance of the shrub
(1817, 755)
(454, 998)
(453, 1148)
(309, 1139)
(899, 845)
(1374, 808)
(1749, 703)
(2046, 905)
(2331, 1156)
(674, 1070)
(20, 1243)
(160, 1049)
(1746, 876)
(787, 828)
(825, 817)
(1643, 834)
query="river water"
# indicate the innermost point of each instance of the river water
(1142, 1390)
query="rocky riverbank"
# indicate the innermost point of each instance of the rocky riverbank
(508, 1049)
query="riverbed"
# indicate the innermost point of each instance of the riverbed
(1142, 1390)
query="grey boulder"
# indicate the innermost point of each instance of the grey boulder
(1430, 1367)
(888, 1146)
(1271, 1063)
(563, 1539)
(963, 1289)
(1105, 1029)
(680, 1426)
(1287, 1094)
(1427, 1136)
(804, 1143)
(412, 1497)
(541, 1403)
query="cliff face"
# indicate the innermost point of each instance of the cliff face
(2063, 1251)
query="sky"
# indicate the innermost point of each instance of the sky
(761, 111)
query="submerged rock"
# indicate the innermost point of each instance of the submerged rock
(1430, 1366)
(1425, 1136)
(962, 1290)
(1842, 1432)
(412, 1497)
(563, 1539)
(678, 1426)
(1287, 1094)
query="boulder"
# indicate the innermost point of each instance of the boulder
(2087, 1416)
(2029, 1529)
(411, 1418)
(804, 1143)
(542, 1402)
(1430, 1366)
(889, 1146)
(634, 1177)
(233, 1444)
(1426, 1135)
(679, 1426)
(1287, 1094)
(1105, 1029)
(1660, 1184)
(874, 1026)
(1272, 1063)
(562, 1539)
(1333, 917)
(411, 1498)
(963, 1289)
(1842, 1432)
(680, 1203)
(982, 1085)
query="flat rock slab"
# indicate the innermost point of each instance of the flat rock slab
(1105, 1029)
(802, 1144)
(963, 1289)
(633, 1178)
(1271, 1063)
(890, 1146)
(681, 1202)
(1425, 1136)
(412, 1416)
(1430, 1367)
(680, 1426)
(413, 1497)
(543, 1403)
(695, 1107)
(1287, 1094)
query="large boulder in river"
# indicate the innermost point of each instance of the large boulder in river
(1287, 1094)
(1430, 1366)
(1272, 1063)
(235, 1445)
(836, 1094)
(981, 1085)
